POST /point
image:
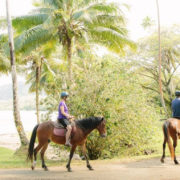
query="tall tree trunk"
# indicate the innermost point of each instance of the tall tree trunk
(18, 123)
(159, 41)
(69, 54)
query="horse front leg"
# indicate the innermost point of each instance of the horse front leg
(70, 157)
(85, 155)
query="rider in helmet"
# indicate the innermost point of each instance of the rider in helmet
(64, 117)
(176, 105)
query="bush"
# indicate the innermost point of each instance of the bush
(111, 88)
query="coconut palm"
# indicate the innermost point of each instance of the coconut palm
(34, 65)
(39, 73)
(37, 67)
(17, 119)
(70, 21)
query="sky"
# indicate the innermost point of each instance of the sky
(139, 9)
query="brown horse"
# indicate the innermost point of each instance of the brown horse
(81, 129)
(171, 128)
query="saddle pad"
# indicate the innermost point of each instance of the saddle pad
(59, 132)
(57, 124)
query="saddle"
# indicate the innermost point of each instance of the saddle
(59, 129)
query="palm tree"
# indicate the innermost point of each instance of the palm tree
(70, 21)
(36, 71)
(22, 135)
(39, 73)
(159, 42)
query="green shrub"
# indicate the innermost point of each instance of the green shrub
(112, 89)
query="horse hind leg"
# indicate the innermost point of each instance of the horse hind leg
(164, 149)
(39, 146)
(42, 156)
(174, 145)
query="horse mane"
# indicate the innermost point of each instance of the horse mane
(89, 123)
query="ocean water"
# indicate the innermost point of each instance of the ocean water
(28, 119)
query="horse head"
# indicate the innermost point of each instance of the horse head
(102, 127)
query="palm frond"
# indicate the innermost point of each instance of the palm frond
(102, 7)
(56, 4)
(93, 9)
(111, 39)
(25, 22)
(108, 22)
(32, 38)
(42, 10)
(117, 20)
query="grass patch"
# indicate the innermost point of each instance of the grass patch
(9, 159)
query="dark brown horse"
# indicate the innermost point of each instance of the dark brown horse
(171, 128)
(45, 134)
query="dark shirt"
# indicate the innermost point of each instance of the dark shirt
(176, 108)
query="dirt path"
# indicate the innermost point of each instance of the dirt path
(115, 170)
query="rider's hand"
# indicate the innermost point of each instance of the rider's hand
(71, 118)
(68, 117)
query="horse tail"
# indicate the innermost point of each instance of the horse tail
(167, 137)
(31, 144)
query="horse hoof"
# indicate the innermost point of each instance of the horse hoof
(162, 160)
(68, 168)
(46, 169)
(32, 167)
(90, 168)
(176, 162)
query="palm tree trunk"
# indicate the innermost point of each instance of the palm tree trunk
(37, 92)
(69, 55)
(17, 120)
(160, 80)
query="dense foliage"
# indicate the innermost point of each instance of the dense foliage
(111, 88)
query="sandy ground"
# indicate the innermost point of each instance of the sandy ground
(114, 170)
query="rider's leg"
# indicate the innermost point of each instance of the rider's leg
(68, 133)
